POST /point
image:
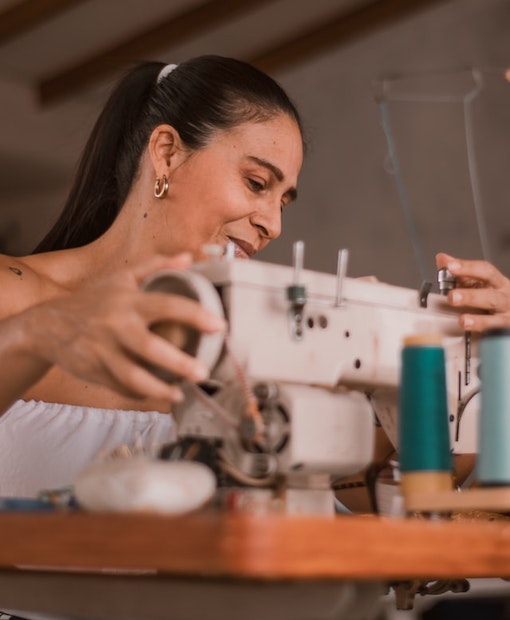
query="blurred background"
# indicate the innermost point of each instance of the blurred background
(406, 106)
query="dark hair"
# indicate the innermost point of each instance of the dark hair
(198, 98)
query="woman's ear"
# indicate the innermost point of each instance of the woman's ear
(165, 148)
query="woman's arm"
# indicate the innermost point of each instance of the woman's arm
(480, 287)
(102, 334)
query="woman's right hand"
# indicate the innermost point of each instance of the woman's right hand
(102, 333)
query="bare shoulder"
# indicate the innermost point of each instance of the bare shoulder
(20, 285)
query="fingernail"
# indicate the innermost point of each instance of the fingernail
(453, 266)
(467, 321)
(218, 323)
(199, 372)
(456, 297)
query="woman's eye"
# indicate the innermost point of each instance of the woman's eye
(256, 186)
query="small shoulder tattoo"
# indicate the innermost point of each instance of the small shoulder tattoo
(15, 270)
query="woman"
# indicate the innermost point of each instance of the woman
(208, 152)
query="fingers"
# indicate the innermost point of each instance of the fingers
(475, 270)
(138, 382)
(164, 352)
(482, 322)
(158, 307)
(122, 341)
(480, 286)
(490, 299)
(133, 334)
(443, 259)
(152, 350)
(130, 379)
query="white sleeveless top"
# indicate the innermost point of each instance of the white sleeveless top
(45, 445)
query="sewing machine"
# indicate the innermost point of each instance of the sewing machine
(309, 367)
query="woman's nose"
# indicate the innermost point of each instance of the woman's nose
(269, 224)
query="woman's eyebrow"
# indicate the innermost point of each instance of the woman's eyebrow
(292, 191)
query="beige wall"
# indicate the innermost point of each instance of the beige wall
(347, 195)
(349, 198)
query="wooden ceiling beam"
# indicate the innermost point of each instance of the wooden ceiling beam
(22, 16)
(175, 30)
(337, 31)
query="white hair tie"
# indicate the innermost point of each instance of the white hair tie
(167, 69)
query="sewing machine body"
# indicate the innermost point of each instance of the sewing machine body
(318, 392)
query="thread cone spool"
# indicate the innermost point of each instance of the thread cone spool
(424, 441)
(493, 462)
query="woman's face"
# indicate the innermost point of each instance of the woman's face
(235, 188)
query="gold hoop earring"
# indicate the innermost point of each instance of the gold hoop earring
(161, 187)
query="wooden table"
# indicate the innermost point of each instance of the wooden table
(231, 566)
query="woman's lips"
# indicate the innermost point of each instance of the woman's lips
(243, 249)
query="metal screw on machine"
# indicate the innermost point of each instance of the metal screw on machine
(265, 391)
(296, 293)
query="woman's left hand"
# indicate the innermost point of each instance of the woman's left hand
(480, 287)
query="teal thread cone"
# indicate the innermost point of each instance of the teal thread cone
(424, 441)
(493, 462)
